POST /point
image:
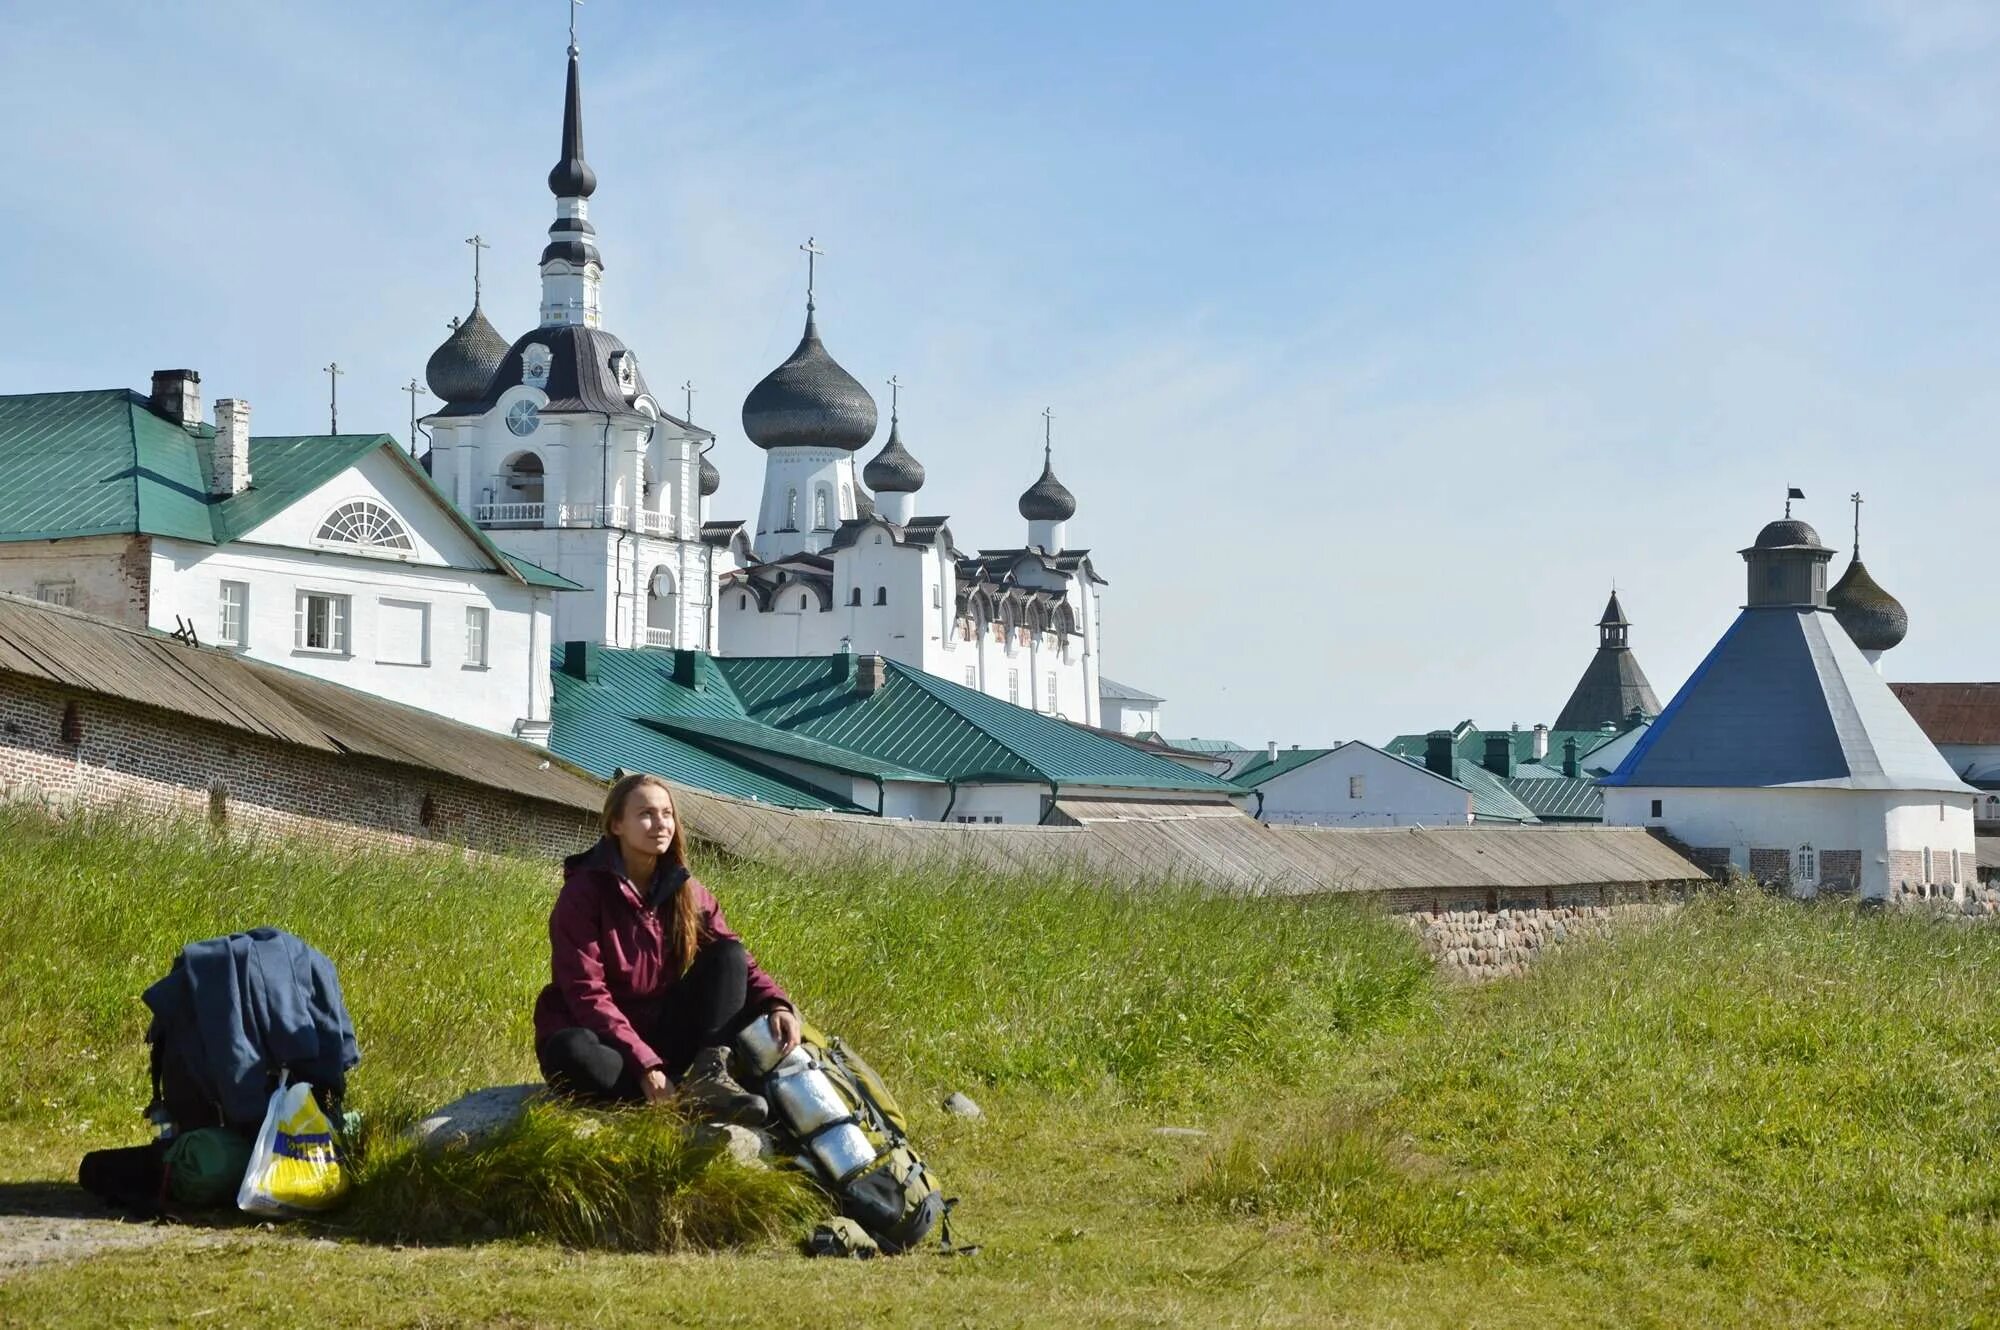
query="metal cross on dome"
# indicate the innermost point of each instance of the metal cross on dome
(895, 395)
(688, 388)
(1048, 432)
(813, 254)
(1855, 499)
(574, 5)
(477, 244)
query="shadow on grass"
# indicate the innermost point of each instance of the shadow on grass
(66, 1200)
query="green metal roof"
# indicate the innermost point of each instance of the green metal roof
(1470, 742)
(1197, 745)
(1560, 799)
(784, 743)
(102, 463)
(536, 575)
(809, 709)
(1263, 769)
(601, 726)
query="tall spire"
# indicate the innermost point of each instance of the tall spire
(571, 266)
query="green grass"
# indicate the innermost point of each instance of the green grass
(1753, 1113)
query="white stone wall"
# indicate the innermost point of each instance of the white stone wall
(1390, 793)
(512, 687)
(803, 472)
(1883, 826)
(103, 575)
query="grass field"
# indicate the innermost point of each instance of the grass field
(1756, 1113)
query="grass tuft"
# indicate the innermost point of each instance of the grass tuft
(630, 1180)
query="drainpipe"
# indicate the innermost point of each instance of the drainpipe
(951, 785)
(881, 795)
(1055, 793)
(1258, 816)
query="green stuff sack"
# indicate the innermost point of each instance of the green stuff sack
(852, 1138)
(205, 1167)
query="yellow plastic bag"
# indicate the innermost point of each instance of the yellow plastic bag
(295, 1164)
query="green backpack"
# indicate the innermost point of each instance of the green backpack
(893, 1195)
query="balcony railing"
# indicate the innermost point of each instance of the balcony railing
(509, 514)
(659, 637)
(648, 520)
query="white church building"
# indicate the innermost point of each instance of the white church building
(556, 448)
(1786, 756)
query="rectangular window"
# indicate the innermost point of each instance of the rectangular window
(321, 623)
(402, 632)
(234, 603)
(937, 597)
(1049, 692)
(56, 593)
(1357, 787)
(475, 637)
(1656, 808)
(1014, 687)
(972, 676)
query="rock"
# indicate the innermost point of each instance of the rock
(961, 1106)
(1184, 1133)
(474, 1119)
(747, 1147)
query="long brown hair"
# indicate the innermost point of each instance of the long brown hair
(683, 919)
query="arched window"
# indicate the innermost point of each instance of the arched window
(822, 509)
(791, 510)
(743, 601)
(854, 596)
(521, 479)
(662, 608)
(367, 525)
(802, 601)
(881, 595)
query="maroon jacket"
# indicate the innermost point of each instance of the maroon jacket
(606, 952)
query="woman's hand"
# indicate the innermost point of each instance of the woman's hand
(655, 1086)
(785, 1025)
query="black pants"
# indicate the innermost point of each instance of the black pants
(706, 1011)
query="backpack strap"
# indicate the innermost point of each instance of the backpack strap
(947, 1247)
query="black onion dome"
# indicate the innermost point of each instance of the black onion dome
(1047, 500)
(462, 367)
(711, 479)
(1785, 532)
(893, 470)
(572, 177)
(809, 402)
(1875, 619)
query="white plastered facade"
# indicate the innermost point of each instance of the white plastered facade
(1356, 785)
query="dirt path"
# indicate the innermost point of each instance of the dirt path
(43, 1222)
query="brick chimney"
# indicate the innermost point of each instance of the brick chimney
(177, 396)
(1572, 766)
(580, 660)
(871, 675)
(229, 451)
(1439, 752)
(1500, 755)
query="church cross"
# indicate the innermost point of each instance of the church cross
(1855, 498)
(413, 388)
(895, 396)
(333, 373)
(688, 388)
(813, 253)
(1048, 433)
(573, 7)
(477, 245)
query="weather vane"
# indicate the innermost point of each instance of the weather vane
(573, 7)
(813, 253)
(1792, 493)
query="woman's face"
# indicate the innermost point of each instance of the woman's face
(645, 826)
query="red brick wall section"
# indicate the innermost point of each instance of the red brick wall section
(1772, 868)
(1839, 872)
(133, 756)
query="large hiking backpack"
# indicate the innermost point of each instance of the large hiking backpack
(855, 1143)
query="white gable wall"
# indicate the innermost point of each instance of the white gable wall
(1390, 793)
(383, 598)
(438, 538)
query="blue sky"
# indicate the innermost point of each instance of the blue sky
(1381, 340)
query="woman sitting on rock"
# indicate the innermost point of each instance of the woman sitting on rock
(650, 984)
